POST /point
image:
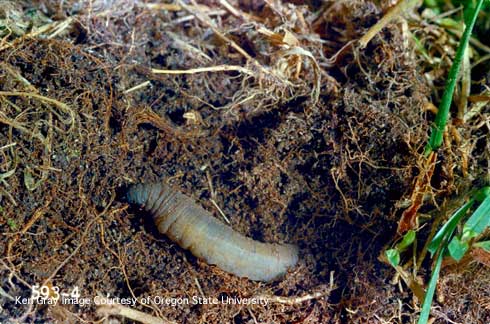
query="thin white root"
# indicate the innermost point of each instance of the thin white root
(322, 292)
(137, 87)
(206, 69)
(135, 315)
(294, 300)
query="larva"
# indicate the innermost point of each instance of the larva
(194, 228)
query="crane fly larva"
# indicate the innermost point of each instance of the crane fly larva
(194, 228)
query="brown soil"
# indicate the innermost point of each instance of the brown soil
(324, 172)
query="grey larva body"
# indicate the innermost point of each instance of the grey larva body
(194, 228)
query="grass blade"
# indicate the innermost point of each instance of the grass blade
(457, 248)
(449, 227)
(480, 220)
(407, 241)
(425, 312)
(435, 140)
(393, 256)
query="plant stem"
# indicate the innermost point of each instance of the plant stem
(442, 116)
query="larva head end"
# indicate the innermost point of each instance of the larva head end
(132, 194)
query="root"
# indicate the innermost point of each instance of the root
(264, 86)
(217, 68)
(132, 314)
(321, 293)
(393, 13)
(62, 106)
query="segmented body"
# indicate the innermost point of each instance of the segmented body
(194, 228)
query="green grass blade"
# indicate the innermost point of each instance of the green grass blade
(457, 248)
(393, 256)
(407, 241)
(449, 227)
(435, 140)
(429, 294)
(482, 194)
(478, 221)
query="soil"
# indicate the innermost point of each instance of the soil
(325, 165)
